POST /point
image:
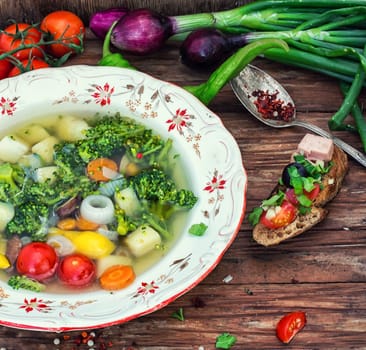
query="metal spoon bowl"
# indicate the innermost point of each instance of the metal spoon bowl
(253, 79)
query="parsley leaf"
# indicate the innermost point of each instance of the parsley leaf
(255, 215)
(225, 341)
(178, 314)
(198, 229)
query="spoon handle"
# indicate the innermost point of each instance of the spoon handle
(353, 152)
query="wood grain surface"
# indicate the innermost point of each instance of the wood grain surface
(322, 272)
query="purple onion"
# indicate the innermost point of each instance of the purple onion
(101, 21)
(207, 47)
(141, 31)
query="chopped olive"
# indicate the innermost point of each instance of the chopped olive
(286, 177)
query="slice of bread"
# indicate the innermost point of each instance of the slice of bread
(332, 183)
(267, 237)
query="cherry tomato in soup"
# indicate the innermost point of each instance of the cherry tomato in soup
(76, 270)
(28, 65)
(278, 216)
(289, 325)
(37, 260)
(5, 68)
(65, 26)
(17, 35)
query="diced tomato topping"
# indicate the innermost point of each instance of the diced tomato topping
(291, 197)
(279, 216)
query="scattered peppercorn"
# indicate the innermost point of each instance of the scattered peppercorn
(89, 341)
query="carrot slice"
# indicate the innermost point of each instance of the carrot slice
(96, 168)
(117, 277)
(85, 225)
(67, 224)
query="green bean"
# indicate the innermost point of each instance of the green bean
(336, 122)
(358, 117)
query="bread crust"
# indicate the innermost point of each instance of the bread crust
(331, 182)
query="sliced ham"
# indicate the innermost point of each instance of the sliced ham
(315, 148)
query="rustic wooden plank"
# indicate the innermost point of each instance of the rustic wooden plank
(251, 317)
(322, 272)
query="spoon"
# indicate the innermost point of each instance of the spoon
(252, 79)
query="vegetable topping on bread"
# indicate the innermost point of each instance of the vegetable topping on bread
(312, 178)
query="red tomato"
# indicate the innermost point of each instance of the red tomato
(37, 260)
(18, 34)
(5, 68)
(289, 325)
(35, 63)
(66, 26)
(291, 197)
(76, 270)
(285, 215)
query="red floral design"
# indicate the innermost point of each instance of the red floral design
(103, 94)
(217, 183)
(7, 106)
(179, 120)
(147, 288)
(35, 304)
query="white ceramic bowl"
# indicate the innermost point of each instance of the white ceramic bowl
(208, 151)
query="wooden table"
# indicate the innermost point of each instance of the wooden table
(322, 272)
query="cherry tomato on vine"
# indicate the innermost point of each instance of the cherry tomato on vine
(37, 260)
(76, 270)
(28, 65)
(66, 27)
(5, 68)
(280, 216)
(16, 35)
(289, 325)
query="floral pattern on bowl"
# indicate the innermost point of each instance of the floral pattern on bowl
(208, 151)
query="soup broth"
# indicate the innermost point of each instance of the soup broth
(57, 151)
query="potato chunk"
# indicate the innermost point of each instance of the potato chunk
(143, 240)
(33, 133)
(12, 147)
(45, 148)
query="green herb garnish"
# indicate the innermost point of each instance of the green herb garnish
(198, 229)
(179, 315)
(225, 341)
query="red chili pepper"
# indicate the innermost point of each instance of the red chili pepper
(271, 107)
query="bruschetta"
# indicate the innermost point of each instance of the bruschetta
(313, 177)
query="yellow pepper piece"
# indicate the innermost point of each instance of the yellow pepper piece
(4, 262)
(92, 244)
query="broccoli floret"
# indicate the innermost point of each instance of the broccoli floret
(108, 136)
(66, 157)
(24, 282)
(30, 219)
(156, 186)
(118, 134)
(160, 198)
(11, 178)
(123, 223)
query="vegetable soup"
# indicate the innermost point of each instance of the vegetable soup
(87, 203)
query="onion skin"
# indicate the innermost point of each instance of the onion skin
(208, 47)
(101, 21)
(141, 32)
(204, 48)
